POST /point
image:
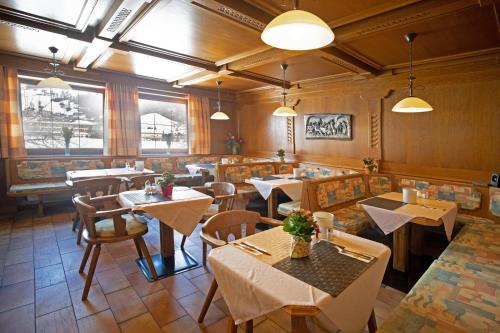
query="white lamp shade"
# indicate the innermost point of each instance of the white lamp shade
(284, 111)
(53, 82)
(412, 105)
(219, 115)
(297, 30)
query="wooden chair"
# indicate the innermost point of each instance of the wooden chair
(224, 196)
(93, 187)
(137, 182)
(116, 226)
(216, 232)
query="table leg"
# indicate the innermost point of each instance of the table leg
(169, 261)
(272, 204)
(416, 251)
(400, 248)
(299, 324)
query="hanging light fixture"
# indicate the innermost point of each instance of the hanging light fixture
(219, 115)
(284, 111)
(411, 104)
(297, 30)
(53, 82)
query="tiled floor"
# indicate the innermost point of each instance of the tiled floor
(41, 287)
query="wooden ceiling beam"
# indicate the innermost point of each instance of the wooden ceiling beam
(260, 78)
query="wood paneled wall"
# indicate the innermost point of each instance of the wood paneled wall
(459, 140)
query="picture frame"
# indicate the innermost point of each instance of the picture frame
(328, 126)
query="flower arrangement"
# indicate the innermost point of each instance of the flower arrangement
(369, 165)
(67, 133)
(233, 144)
(301, 226)
(281, 154)
(166, 182)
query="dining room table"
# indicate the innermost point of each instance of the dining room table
(337, 284)
(181, 212)
(407, 222)
(269, 187)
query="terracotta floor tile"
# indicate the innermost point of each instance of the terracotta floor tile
(20, 242)
(127, 264)
(143, 323)
(281, 318)
(106, 261)
(185, 324)
(95, 302)
(48, 242)
(17, 273)
(178, 286)
(16, 295)
(163, 307)
(49, 275)
(46, 257)
(43, 231)
(18, 320)
(122, 249)
(21, 231)
(268, 326)
(19, 256)
(193, 303)
(112, 280)
(72, 260)
(75, 280)
(66, 233)
(100, 322)
(69, 245)
(142, 286)
(203, 283)
(125, 304)
(52, 298)
(196, 272)
(62, 321)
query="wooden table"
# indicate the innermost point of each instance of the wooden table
(182, 212)
(408, 238)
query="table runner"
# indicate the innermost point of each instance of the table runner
(391, 220)
(291, 187)
(251, 287)
(182, 213)
(325, 269)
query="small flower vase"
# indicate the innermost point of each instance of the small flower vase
(167, 190)
(235, 150)
(66, 151)
(282, 159)
(367, 171)
(300, 248)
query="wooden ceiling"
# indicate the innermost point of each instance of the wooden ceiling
(196, 42)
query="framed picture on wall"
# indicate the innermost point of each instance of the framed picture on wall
(334, 126)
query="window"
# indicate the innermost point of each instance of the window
(45, 112)
(163, 125)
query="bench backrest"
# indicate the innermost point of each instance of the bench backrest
(237, 173)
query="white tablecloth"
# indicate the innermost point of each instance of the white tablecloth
(251, 287)
(391, 220)
(183, 213)
(99, 173)
(291, 187)
(195, 168)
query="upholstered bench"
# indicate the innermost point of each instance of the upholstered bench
(288, 207)
(351, 219)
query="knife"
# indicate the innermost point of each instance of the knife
(256, 248)
(246, 249)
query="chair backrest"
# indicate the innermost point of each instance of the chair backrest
(137, 182)
(220, 189)
(95, 187)
(224, 224)
(86, 211)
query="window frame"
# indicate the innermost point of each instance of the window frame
(168, 99)
(96, 87)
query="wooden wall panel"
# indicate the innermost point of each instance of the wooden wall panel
(220, 128)
(459, 140)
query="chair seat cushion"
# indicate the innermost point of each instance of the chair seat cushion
(351, 219)
(105, 228)
(287, 208)
(38, 187)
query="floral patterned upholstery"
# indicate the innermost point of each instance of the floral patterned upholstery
(379, 184)
(466, 196)
(495, 201)
(460, 292)
(160, 165)
(120, 163)
(287, 207)
(262, 170)
(237, 174)
(285, 168)
(339, 191)
(86, 165)
(465, 219)
(183, 161)
(31, 170)
(351, 220)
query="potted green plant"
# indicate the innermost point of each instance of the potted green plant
(166, 182)
(301, 226)
(369, 165)
(67, 133)
(281, 155)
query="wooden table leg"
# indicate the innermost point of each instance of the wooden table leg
(400, 248)
(416, 251)
(167, 246)
(299, 324)
(272, 204)
(231, 326)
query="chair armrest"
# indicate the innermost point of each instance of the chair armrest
(111, 213)
(103, 199)
(212, 241)
(227, 196)
(271, 222)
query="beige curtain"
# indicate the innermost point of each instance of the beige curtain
(122, 120)
(199, 123)
(11, 129)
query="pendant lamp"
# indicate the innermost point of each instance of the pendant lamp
(297, 30)
(411, 104)
(219, 115)
(284, 111)
(53, 82)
